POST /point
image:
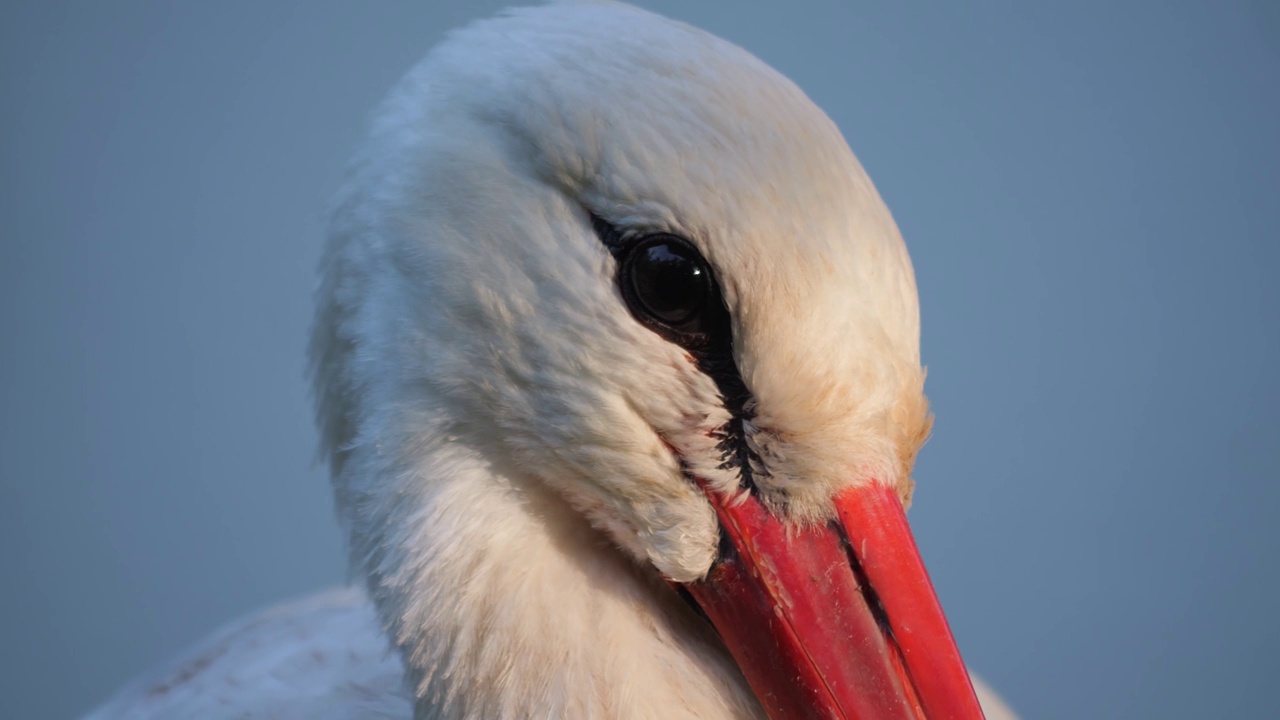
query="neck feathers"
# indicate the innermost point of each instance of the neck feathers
(506, 604)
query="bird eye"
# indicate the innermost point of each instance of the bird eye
(667, 282)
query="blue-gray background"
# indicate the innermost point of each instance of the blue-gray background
(1091, 194)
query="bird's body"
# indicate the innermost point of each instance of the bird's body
(608, 308)
(321, 658)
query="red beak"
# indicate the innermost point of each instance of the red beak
(836, 621)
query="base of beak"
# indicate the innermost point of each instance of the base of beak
(835, 621)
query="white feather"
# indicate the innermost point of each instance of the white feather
(321, 658)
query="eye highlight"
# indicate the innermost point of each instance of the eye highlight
(671, 289)
(668, 280)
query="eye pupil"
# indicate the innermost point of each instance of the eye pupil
(669, 281)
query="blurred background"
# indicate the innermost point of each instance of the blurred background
(1091, 194)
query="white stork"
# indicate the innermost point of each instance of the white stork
(617, 372)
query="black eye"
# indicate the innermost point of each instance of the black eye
(667, 282)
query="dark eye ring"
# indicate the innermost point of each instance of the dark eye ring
(667, 283)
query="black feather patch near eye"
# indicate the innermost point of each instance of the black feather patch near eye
(671, 289)
(608, 234)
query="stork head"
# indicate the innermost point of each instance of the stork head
(626, 261)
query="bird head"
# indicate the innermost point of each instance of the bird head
(624, 260)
